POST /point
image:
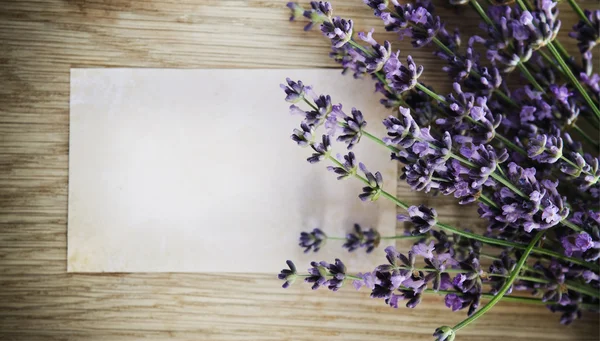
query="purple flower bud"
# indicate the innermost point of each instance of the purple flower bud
(352, 130)
(294, 90)
(526, 18)
(338, 273)
(322, 150)
(575, 243)
(368, 239)
(402, 78)
(304, 135)
(317, 274)
(422, 218)
(338, 30)
(424, 250)
(373, 191)
(312, 240)
(444, 333)
(348, 169)
(289, 276)
(587, 36)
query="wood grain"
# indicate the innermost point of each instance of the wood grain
(39, 42)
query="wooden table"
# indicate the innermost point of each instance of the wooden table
(39, 42)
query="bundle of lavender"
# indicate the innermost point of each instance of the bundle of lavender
(518, 152)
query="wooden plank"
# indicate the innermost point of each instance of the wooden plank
(40, 41)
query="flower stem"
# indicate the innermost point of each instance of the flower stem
(530, 77)
(586, 136)
(573, 79)
(579, 12)
(504, 288)
(443, 46)
(481, 12)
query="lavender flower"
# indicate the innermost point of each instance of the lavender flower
(401, 77)
(503, 267)
(312, 240)
(324, 107)
(587, 36)
(545, 149)
(401, 131)
(338, 30)
(322, 150)
(380, 53)
(373, 190)
(368, 239)
(295, 91)
(348, 168)
(424, 250)
(377, 5)
(352, 130)
(569, 313)
(470, 281)
(289, 276)
(423, 218)
(368, 280)
(317, 274)
(304, 135)
(460, 302)
(320, 12)
(413, 20)
(580, 242)
(444, 333)
(338, 273)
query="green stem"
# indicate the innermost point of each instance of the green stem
(580, 12)
(573, 79)
(405, 237)
(517, 299)
(430, 93)
(586, 136)
(481, 12)
(443, 46)
(530, 78)
(504, 288)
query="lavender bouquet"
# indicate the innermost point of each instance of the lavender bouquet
(519, 152)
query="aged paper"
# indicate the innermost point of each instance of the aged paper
(195, 171)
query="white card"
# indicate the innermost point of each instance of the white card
(195, 171)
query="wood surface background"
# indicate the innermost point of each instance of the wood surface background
(41, 40)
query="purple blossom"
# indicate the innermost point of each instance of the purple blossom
(587, 36)
(304, 135)
(338, 30)
(348, 167)
(561, 93)
(424, 250)
(368, 280)
(545, 149)
(423, 218)
(580, 242)
(317, 274)
(338, 273)
(373, 190)
(289, 276)
(294, 91)
(324, 108)
(380, 54)
(352, 129)
(401, 77)
(368, 239)
(312, 240)
(402, 131)
(444, 333)
(321, 149)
